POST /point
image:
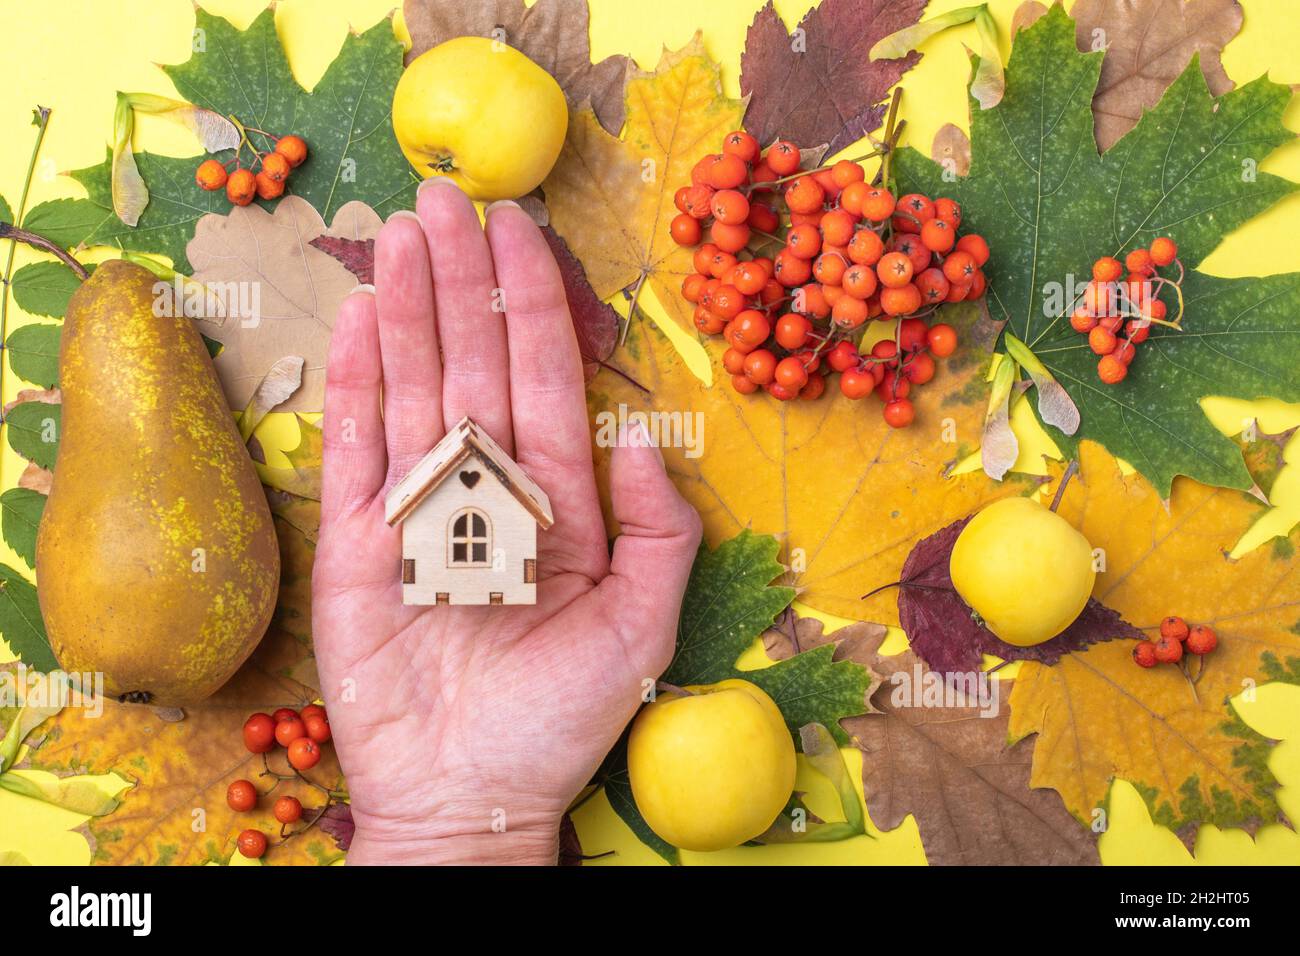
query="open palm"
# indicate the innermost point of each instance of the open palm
(464, 732)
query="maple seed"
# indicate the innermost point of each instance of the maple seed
(1144, 654)
(1202, 639)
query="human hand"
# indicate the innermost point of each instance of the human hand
(464, 720)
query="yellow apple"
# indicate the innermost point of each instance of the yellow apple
(482, 113)
(1024, 569)
(711, 769)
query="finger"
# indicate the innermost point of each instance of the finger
(352, 430)
(659, 540)
(547, 394)
(475, 365)
(408, 343)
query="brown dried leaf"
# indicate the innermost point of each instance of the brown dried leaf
(35, 478)
(950, 148)
(281, 292)
(948, 766)
(818, 85)
(280, 383)
(1148, 44)
(551, 33)
(1026, 15)
(49, 396)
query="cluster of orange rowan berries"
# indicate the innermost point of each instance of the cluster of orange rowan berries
(1117, 314)
(849, 252)
(1175, 638)
(301, 733)
(242, 184)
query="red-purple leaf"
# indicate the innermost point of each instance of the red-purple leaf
(337, 822)
(357, 255)
(594, 321)
(949, 639)
(818, 85)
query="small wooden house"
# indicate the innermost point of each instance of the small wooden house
(469, 518)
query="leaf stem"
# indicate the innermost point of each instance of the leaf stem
(1071, 470)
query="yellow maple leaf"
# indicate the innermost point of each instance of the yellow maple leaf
(1099, 716)
(176, 811)
(612, 199)
(846, 495)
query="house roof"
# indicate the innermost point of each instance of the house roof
(464, 440)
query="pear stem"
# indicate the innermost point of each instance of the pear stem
(662, 686)
(10, 231)
(1070, 472)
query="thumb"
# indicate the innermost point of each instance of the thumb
(653, 555)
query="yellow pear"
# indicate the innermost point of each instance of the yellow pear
(156, 558)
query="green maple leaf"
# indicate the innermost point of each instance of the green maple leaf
(1049, 205)
(345, 120)
(729, 602)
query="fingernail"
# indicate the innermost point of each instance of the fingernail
(437, 181)
(403, 214)
(499, 204)
(362, 287)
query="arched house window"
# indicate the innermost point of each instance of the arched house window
(470, 540)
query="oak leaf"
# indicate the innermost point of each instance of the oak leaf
(819, 85)
(279, 294)
(551, 33)
(946, 761)
(1098, 716)
(612, 199)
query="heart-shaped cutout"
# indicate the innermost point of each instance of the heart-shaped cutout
(470, 478)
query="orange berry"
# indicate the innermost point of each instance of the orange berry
(739, 143)
(852, 197)
(1202, 639)
(942, 339)
(849, 312)
(293, 149)
(728, 171)
(304, 753)
(241, 187)
(791, 270)
(251, 844)
(743, 385)
(857, 383)
(859, 281)
(760, 366)
(895, 270)
(804, 195)
(938, 235)
(276, 166)
(866, 247)
(1111, 370)
(846, 173)
(829, 268)
(1139, 262)
(210, 175)
(1144, 654)
(949, 210)
(900, 300)
(268, 188)
(1175, 627)
(729, 238)
(1163, 251)
(899, 413)
(792, 331)
(976, 246)
(878, 204)
(837, 228)
(762, 218)
(791, 373)
(1082, 320)
(1107, 269)
(730, 207)
(783, 157)
(1101, 341)
(1168, 650)
(813, 389)
(804, 241)
(684, 229)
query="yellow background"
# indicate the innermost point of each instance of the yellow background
(73, 55)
